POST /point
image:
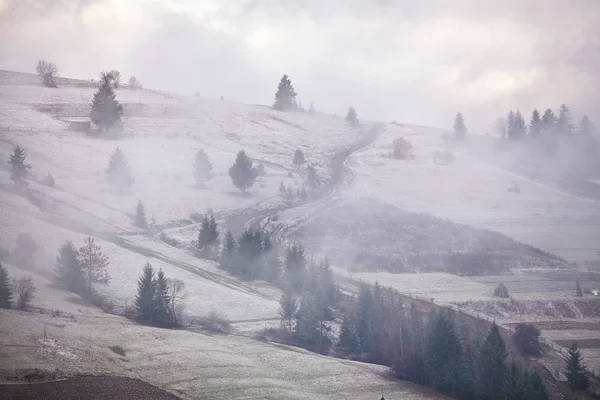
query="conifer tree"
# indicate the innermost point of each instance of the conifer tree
(93, 263)
(203, 168)
(586, 127)
(363, 320)
(260, 171)
(295, 266)
(352, 117)
(578, 291)
(311, 110)
(299, 158)
(285, 98)
(161, 300)
(144, 301)
(106, 110)
(491, 370)
(271, 268)
(242, 172)
(140, 216)
(347, 341)
(534, 387)
(575, 371)
(514, 385)
(288, 307)
(118, 172)
(460, 129)
(312, 179)
(526, 338)
(519, 128)
(6, 293)
(510, 125)
(228, 252)
(564, 123)
(307, 320)
(535, 123)
(67, 271)
(548, 122)
(19, 169)
(208, 237)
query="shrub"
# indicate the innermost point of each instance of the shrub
(526, 338)
(402, 148)
(118, 350)
(214, 322)
(24, 290)
(501, 291)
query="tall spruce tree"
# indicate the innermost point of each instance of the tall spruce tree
(144, 301)
(307, 320)
(298, 158)
(94, 264)
(586, 127)
(161, 300)
(491, 370)
(535, 123)
(510, 125)
(514, 385)
(106, 110)
(140, 216)
(347, 340)
(575, 371)
(519, 128)
(460, 129)
(534, 387)
(19, 169)
(548, 122)
(227, 257)
(364, 326)
(352, 117)
(312, 179)
(208, 237)
(285, 98)
(242, 172)
(68, 272)
(118, 172)
(203, 168)
(295, 266)
(564, 123)
(6, 293)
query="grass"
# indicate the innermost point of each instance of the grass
(118, 350)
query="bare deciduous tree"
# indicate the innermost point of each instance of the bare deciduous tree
(116, 78)
(47, 71)
(134, 83)
(177, 293)
(24, 290)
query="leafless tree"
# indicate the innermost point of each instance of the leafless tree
(177, 293)
(134, 83)
(24, 290)
(47, 71)
(116, 78)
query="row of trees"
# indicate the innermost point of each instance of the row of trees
(285, 99)
(20, 289)
(433, 350)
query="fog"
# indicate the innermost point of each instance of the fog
(409, 61)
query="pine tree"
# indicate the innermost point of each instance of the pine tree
(299, 158)
(19, 169)
(311, 110)
(578, 291)
(208, 237)
(445, 355)
(144, 301)
(295, 266)
(363, 320)
(460, 129)
(106, 110)
(285, 98)
(352, 117)
(118, 172)
(203, 168)
(242, 173)
(535, 123)
(307, 320)
(519, 128)
(510, 125)
(260, 170)
(586, 127)
(312, 180)
(514, 385)
(347, 341)
(288, 307)
(140, 216)
(6, 293)
(575, 371)
(93, 263)
(548, 122)
(564, 123)
(161, 300)
(67, 271)
(534, 387)
(271, 268)
(491, 370)
(227, 257)
(526, 338)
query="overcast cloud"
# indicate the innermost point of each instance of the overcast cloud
(412, 61)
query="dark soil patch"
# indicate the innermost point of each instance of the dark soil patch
(88, 387)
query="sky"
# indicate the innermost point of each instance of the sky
(405, 60)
